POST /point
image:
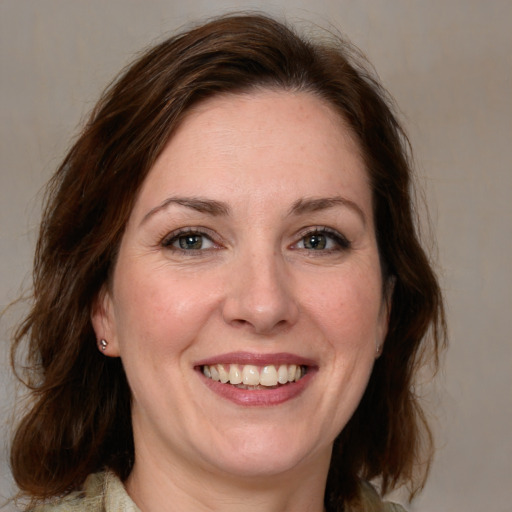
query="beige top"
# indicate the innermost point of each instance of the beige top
(104, 492)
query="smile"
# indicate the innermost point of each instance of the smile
(254, 377)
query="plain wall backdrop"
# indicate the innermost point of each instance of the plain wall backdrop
(447, 63)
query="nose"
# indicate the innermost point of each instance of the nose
(260, 294)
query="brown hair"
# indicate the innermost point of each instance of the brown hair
(79, 418)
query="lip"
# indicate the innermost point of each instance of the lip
(258, 397)
(257, 359)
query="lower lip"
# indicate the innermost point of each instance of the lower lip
(259, 397)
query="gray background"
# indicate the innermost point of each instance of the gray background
(448, 64)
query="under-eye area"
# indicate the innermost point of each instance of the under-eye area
(254, 377)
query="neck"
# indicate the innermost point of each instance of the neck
(157, 485)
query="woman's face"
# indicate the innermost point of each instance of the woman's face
(247, 301)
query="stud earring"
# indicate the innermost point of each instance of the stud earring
(103, 344)
(379, 350)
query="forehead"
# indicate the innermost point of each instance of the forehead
(259, 140)
(270, 110)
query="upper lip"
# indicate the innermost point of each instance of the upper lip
(246, 358)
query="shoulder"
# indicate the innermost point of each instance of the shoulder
(373, 503)
(101, 492)
(87, 499)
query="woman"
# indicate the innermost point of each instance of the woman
(230, 299)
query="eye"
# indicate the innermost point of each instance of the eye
(323, 240)
(189, 241)
(315, 241)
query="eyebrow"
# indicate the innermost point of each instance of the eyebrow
(309, 205)
(202, 205)
(218, 208)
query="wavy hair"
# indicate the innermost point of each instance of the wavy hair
(78, 421)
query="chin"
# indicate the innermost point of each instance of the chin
(260, 465)
(273, 454)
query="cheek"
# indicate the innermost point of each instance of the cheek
(161, 310)
(349, 308)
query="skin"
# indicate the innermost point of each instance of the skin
(255, 285)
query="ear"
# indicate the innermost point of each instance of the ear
(104, 324)
(388, 289)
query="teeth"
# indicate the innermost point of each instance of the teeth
(235, 375)
(268, 376)
(251, 375)
(282, 374)
(223, 374)
(214, 373)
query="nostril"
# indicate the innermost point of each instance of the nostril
(239, 322)
(261, 328)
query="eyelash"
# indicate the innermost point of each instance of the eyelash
(340, 241)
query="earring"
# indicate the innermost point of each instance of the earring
(379, 350)
(103, 344)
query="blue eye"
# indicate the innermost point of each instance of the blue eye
(315, 241)
(194, 242)
(189, 241)
(323, 240)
